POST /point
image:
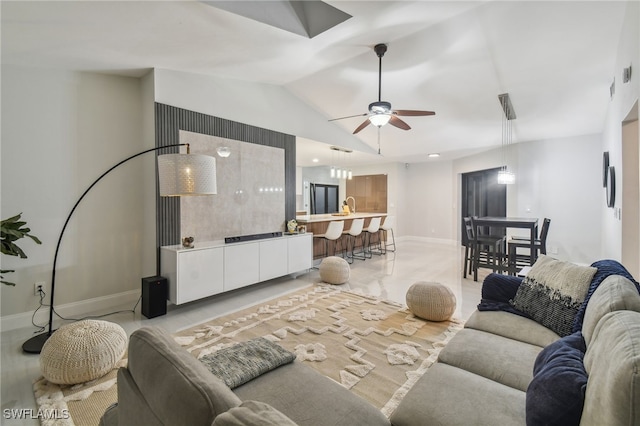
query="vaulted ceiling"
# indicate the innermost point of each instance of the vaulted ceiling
(554, 58)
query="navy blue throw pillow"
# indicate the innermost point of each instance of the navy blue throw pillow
(555, 396)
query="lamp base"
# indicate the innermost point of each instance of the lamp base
(35, 344)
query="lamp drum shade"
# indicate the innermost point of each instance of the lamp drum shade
(186, 174)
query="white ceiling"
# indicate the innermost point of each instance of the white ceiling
(555, 59)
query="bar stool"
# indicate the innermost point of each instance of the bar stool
(333, 233)
(373, 228)
(388, 224)
(352, 235)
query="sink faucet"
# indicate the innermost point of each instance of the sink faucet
(354, 203)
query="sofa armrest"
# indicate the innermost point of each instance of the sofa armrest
(171, 383)
(110, 416)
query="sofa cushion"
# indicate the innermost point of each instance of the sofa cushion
(448, 395)
(512, 326)
(177, 388)
(616, 293)
(556, 394)
(553, 292)
(605, 268)
(612, 361)
(309, 398)
(497, 358)
(253, 413)
(247, 360)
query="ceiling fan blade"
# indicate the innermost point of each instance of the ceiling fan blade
(395, 121)
(362, 126)
(350, 116)
(412, 112)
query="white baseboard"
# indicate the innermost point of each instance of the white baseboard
(74, 309)
(427, 240)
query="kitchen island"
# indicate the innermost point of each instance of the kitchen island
(318, 223)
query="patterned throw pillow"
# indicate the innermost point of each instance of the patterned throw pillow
(552, 293)
(244, 361)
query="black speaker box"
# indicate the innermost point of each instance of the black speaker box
(154, 296)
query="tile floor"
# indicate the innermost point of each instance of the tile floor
(388, 276)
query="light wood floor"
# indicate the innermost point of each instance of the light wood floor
(387, 276)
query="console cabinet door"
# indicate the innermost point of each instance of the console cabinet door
(273, 259)
(199, 274)
(241, 265)
(300, 255)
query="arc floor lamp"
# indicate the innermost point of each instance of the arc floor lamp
(178, 175)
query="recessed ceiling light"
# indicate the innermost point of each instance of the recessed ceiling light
(434, 155)
(315, 160)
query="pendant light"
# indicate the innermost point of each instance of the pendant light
(506, 176)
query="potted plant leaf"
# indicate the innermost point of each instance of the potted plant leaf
(13, 229)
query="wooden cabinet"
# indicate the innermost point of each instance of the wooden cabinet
(370, 192)
(215, 267)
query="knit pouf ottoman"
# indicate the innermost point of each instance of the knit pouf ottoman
(334, 270)
(431, 301)
(82, 351)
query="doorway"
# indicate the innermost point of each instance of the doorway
(482, 195)
(323, 198)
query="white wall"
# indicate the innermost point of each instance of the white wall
(562, 179)
(60, 131)
(619, 107)
(429, 209)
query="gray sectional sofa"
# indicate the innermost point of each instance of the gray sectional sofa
(484, 376)
(163, 384)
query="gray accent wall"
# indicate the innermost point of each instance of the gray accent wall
(169, 120)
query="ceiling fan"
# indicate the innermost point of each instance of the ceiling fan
(380, 112)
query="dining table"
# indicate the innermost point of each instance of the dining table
(530, 223)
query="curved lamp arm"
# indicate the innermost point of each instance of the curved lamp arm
(34, 345)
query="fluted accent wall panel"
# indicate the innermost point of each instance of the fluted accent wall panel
(169, 120)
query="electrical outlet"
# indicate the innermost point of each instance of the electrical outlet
(38, 287)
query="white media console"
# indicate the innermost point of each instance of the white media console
(215, 267)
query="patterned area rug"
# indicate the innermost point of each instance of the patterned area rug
(79, 405)
(375, 348)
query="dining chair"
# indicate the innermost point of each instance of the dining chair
(539, 246)
(482, 251)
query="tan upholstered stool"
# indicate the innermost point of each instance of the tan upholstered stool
(334, 270)
(82, 351)
(431, 301)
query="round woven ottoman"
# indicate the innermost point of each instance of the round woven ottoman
(82, 351)
(431, 301)
(334, 270)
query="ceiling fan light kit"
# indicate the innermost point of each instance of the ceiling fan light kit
(379, 119)
(380, 112)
